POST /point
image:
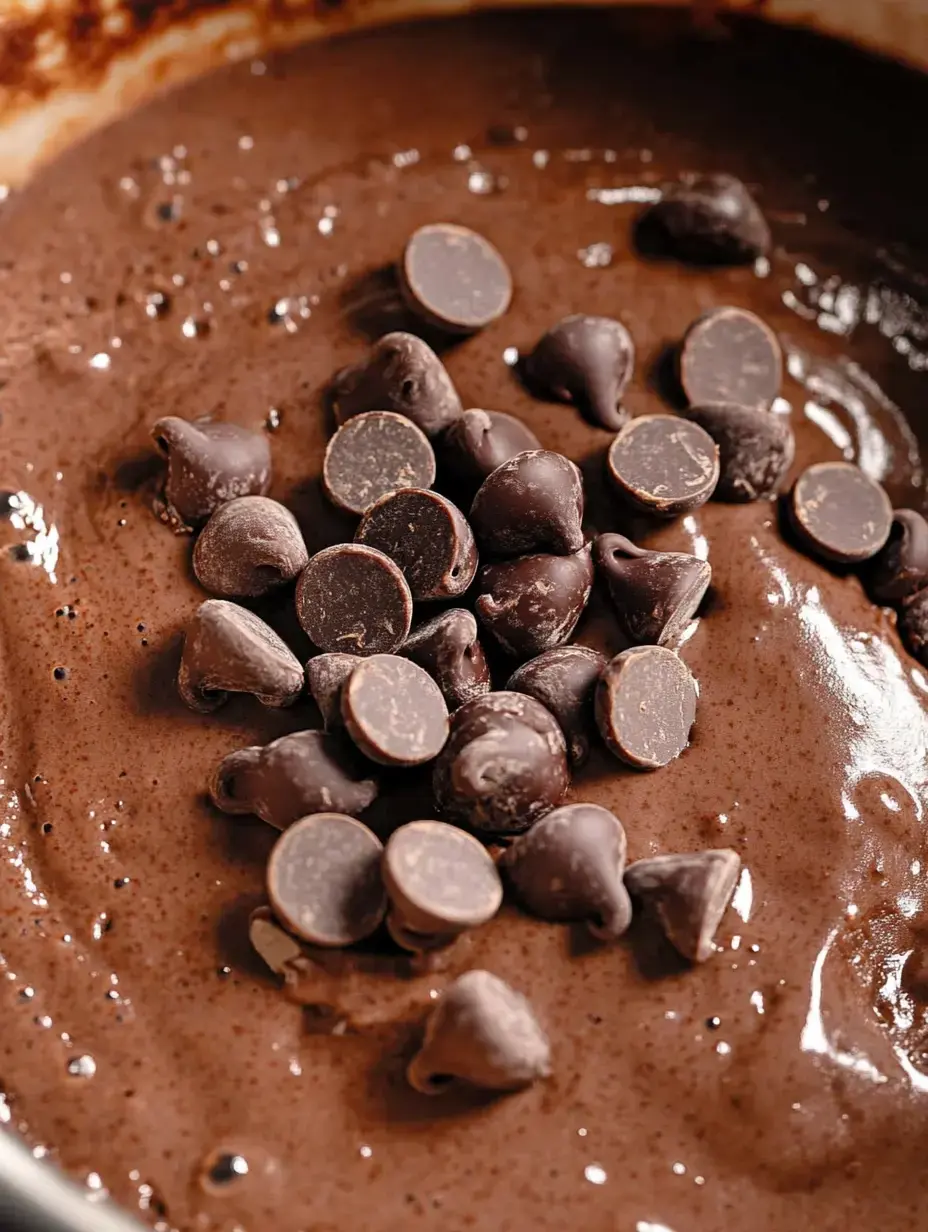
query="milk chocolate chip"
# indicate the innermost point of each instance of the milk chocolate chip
(228, 649)
(655, 594)
(900, 568)
(325, 675)
(350, 597)
(839, 513)
(394, 711)
(730, 355)
(712, 219)
(373, 454)
(587, 361)
(403, 374)
(756, 449)
(302, 773)
(564, 681)
(533, 603)
(448, 648)
(480, 441)
(663, 465)
(690, 894)
(532, 503)
(569, 867)
(483, 1033)
(209, 464)
(427, 536)
(454, 279)
(646, 706)
(250, 546)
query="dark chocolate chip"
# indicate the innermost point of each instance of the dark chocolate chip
(532, 503)
(663, 465)
(913, 625)
(504, 766)
(325, 675)
(394, 711)
(298, 774)
(564, 680)
(756, 449)
(712, 219)
(454, 279)
(209, 464)
(373, 454)
(655, 594)
(731, 355)
(448, 648)
(690, 894)
(587, 361)
(569, 867)
(403, 374)
(480, 441)
(840, 514)
(482, 1033)
(427, 536)
(532, 604)
(249, 547)
(228, 649)
(900, 568)
(646, 706)
(351, 597)
(323, 880)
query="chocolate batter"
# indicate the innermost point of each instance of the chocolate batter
(224, 252)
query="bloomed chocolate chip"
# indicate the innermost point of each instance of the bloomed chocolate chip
(756, 449)
(533, 603)
(564, 681)
(373, 454)
(228, 649)
(298, 774)
(646, 706)
(448, 648)
(655, 594)
(249, 547)
(712, 219)
(325, 675)
(689, 893)
(350, 597)
(323, 880)
(663, 465)
(394, 711)
(454, 279)
(900, 568)
(913, 625)
(209, 464)
(532, 503)
(440, 881)
(482, 1033)
(427, 536)
(480, 441)
(569, 867)
(504, 766)
(402, 374)
(587, 361)
(839, 513)
(731, 355)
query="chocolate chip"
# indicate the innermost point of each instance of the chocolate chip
(250, 546)
(564, 681)
(730, 355)
(913, 625)
(587, 361)
(533, 603)
(228, 649)
(646, 706)
(325, 675)
(483, 1033)
(569, 867)
(690, 894)
(427, 536)
(373, 454)
(454, 279)
(900, 568)
(351, 597)
(403, 374)
(663, 465)
(394, 711)
(756, 449)
(504, 766)
(532, 503)
(274, 945)
(440, 881)
(448, 648)
(712, 219)
(298, 774)
(480, 441)
(655, 594)
(839, 513)
(323, 880)
(209, 464)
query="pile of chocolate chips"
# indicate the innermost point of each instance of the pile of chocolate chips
(397, 687)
